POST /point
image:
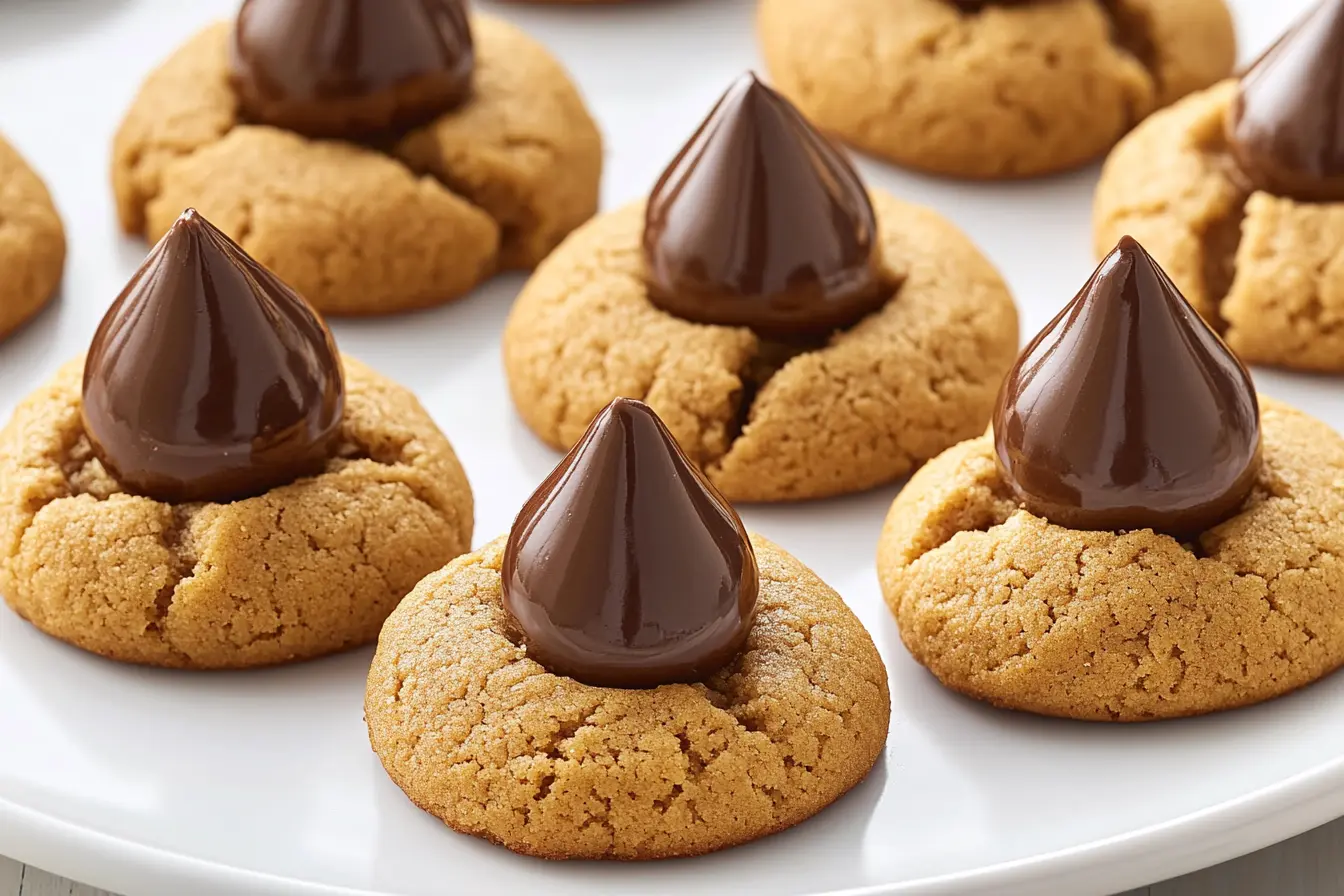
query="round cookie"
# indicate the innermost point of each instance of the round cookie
(878, 399)
(1011, 91)
(1266, 270)
(303, 570)
(482, 736)
(1006, 607)
(32, 242)
(495, 183)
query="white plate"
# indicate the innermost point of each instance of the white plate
(159, 784)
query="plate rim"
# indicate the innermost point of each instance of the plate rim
(1137, 858)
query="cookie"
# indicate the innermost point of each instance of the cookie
(494, 183)
(32, 242)
(1004, 606)
(1009, 91)
(864, 407)
(481, 735)
(1265, 269)
(303, 570)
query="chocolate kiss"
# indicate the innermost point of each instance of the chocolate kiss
(1127, 411)
(627, 568)
(209, 379)
(1286, 126)
(350, 68)
(761, 222)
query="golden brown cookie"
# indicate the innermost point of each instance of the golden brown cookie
(1268, 271)
(1006, 92)
(878, 399)
(495, 183)
(303, 570)
(480, 735)
(32, 242)
(1006, 607)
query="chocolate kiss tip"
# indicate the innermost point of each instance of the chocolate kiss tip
(1285, 128)
(350, 68)
(626, 568)
(248, 390)
(761, 222)
(1127, 412)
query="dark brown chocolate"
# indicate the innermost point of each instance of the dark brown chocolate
(1285, 128)
(627, 568)
(1128, 412)
(350, 68)
(209, 379)
(761, 222)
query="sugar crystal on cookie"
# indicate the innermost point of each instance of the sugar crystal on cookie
(1127, 411)
(350, 68)
(209, 379)
(1286, 127)
(626, 568)
(761, 222)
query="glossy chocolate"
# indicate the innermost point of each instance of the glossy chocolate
(209, 379)
(761, 222)
(1128, 412)
(350, 68)
(1286, 126)
(627, 568)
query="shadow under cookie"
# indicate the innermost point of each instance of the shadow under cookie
(481, 735)
(1012, 90)
(860, 408)
(32, 242)
(303, 570)
(1009, 608)
(494, 183)
(1263, 269)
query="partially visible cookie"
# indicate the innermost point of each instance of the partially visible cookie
(478, 733)
(496, 182)
(303, 570)
(32, 242)
(1009, 91)
(866, 407)
(1009, 608)
(1267, 270)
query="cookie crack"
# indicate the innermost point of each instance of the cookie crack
(1132, 33)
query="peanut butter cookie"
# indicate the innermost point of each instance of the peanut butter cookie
(1267, 270)
(1007, 607)
(991, 90)
(32, 242)
(302, 570)
(388, 223)
(768, 421)
(479, 733)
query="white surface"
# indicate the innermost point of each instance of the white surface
(149, 782)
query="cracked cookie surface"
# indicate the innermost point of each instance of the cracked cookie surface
(914, 377)
(495, 183)
(1268, 271)
(1006, 92)
(305, 569)
(32, 242)
(485, 738)
(1006, 607)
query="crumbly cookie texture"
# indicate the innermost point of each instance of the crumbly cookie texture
(1005, 607)
(303, 570)
(876, 400)
(494, 183)
(32, 242)
(1006, 92)
(1268, 271)
(480, 735)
